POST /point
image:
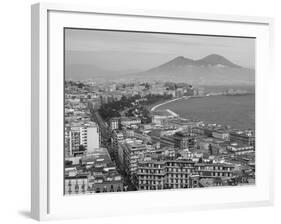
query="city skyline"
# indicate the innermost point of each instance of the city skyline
(186, 120)
(118, 139)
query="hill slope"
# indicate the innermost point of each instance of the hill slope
(211, 70)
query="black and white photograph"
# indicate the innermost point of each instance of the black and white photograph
(142, 111)
(150, 111)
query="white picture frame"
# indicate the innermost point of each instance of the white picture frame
(47, 200)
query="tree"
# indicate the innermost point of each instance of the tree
(82, 148)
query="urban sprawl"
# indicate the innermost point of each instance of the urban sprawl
(117, 140)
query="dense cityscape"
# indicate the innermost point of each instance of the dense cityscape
(117, 139)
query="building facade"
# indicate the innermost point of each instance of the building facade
(76, 184)
(212, 170)
(166, 174)
(184, 140)
(132, 151)
(114, 123)
(242, 137)
(240, 149)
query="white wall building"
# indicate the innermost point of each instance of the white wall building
(82, 134)
(90, 137)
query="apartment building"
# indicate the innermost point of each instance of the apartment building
(80, 135)
(156, 174)
(165, 173)
(184, 140)
(209, 170)
(132, 151)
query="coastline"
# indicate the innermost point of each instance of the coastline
(169, 101)
(172, 113)
(231, 118)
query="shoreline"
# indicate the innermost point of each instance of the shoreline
(169, 101)
(208, 120)
(153, 108)
(172, 113)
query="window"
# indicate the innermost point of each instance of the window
(111, 188)
(76, 188)
(83, 187)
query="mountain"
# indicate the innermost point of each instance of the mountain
(211, 70)
(216, 60)
(182, 62)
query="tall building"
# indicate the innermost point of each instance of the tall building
(81, 135)
(184, 140)
(90, 137)
(72, 140)
(132, 151)
(116, 137)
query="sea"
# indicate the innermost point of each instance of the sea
(237, 111)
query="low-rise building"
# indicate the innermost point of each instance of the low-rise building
(159, 117)
(246, 137)
(220, 134)
(76, 184)
(239, 149)
(209, 170)
(114, 123)
(128, 121)
(110, 181)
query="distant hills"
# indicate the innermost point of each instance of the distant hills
(211, 70)
(180, 62)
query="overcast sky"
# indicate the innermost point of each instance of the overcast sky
(112, 50)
